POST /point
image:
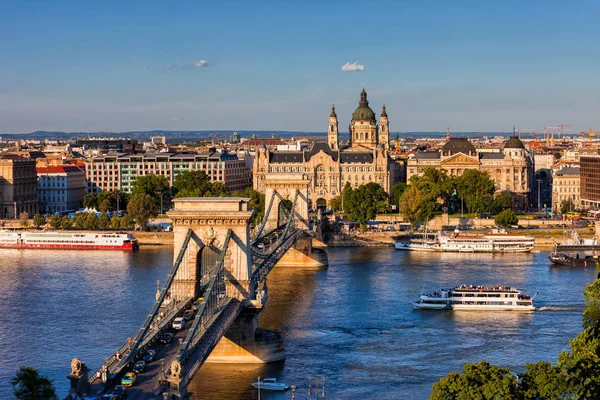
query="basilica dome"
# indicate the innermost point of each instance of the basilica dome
(363, 112)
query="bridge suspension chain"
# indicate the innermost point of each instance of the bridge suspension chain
(159, 301)
(264, 220)
(209, 304)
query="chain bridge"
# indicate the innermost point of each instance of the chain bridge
(220, 268)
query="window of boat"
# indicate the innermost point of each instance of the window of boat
(469, 295)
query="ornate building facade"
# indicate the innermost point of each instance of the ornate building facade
(328, 166)
(511, 168)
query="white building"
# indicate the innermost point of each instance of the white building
(60, 187)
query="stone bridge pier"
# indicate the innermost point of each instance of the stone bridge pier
(210, 219)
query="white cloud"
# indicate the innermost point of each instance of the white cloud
(197, 63)
(355, 66)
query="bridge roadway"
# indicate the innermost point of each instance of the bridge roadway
(148, 381)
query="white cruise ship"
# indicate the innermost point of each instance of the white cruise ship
(459, 243)
(67, 240)
(476, 298)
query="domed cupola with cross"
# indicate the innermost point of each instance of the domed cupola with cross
(332, 131)
(363, 128)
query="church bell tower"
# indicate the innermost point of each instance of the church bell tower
(384, 129)
(332, 132)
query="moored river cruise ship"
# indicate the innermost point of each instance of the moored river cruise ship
(476, 298)
(459, 243)
(67, 240)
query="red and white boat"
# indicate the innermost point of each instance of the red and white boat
(67, 240)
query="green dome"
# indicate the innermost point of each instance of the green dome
(363, 112)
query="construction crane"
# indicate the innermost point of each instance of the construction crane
(591, 134)
(562, 131)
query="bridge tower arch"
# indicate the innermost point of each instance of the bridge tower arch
(288, 186)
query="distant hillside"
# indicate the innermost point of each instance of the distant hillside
(192, 136)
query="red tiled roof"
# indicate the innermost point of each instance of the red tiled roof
(58, 169)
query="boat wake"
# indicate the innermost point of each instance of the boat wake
(579, 308)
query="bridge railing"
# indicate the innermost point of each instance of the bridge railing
(264, 220)
(235, 308)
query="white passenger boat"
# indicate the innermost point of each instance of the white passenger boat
(476, 298)
(269, 384)
(459, 243)
(67, 240)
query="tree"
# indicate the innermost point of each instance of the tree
(141, 208)
(336, 203)
(80, 220)
(366, 201)
(476, 188)
(55, 221)
(103, 221)
(396, 192)
(544, 381)
(257, 202)
(347, 198)
(28, 384)
(127, 222)
(115, 222)
(566, 206)
(38, 220)
(24, 218)
(66, 222)
(502, 202)
(197, 184)
(90, 200)
(506, 218)
(91, 221)
(410, 201)
(155, 186)
(481, 380)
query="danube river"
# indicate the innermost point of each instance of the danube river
(352, 322)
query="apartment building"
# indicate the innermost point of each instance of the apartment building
(119, 170)
(565, 186)
(18, 186)
(60, 187)
(590, 181)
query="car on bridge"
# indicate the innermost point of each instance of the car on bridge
(167, 337)
(128, 379)
(149, 356)
(196, 304)
(118, 393)
(189, 314)
(139, 367)
(178, 323)
(260, 245)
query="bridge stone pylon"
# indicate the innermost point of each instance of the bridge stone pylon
(210, 219)
(279, 187)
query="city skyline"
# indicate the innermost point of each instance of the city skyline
(261, 66)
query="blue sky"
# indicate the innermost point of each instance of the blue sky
(277, 65)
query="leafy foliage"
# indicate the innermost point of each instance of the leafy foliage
(24, 219)
(66, 222)
(476, 188)
(544, 381)
(347, 198)
(479, 381)
(141, 208)
(366, 201)
(566, 206)
(107, 200)
(38, 220)
(103, 221)
(55, 221)
(396, 192)
(257, 202)
(502, 202)
(28, 384)
(197, 184)
(336, 203)
(506, 218)
(410, 202)
(155, 186)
